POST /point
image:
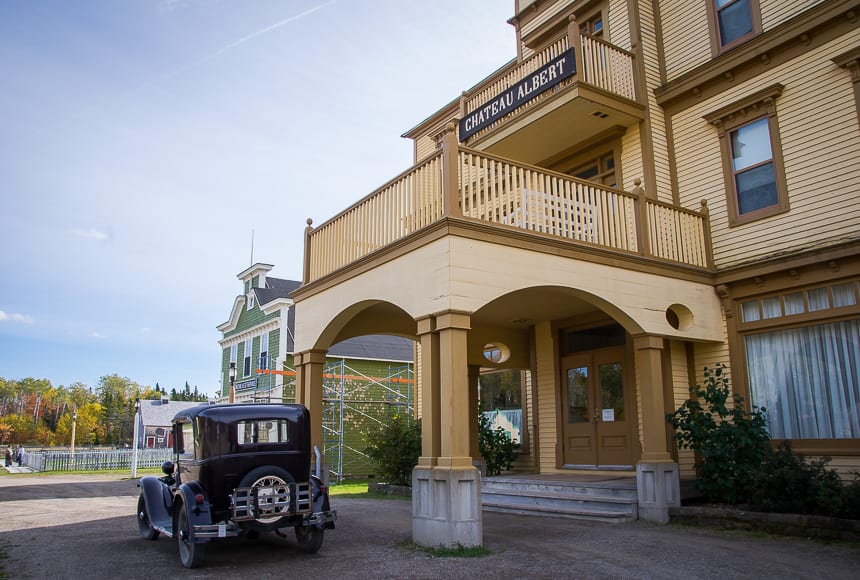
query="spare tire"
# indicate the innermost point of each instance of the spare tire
(266, 476)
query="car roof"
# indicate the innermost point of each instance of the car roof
(237, 411)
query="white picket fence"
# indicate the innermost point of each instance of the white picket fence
(94, 459)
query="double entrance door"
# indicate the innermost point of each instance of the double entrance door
(599, 410)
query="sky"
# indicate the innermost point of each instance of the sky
(145, 143)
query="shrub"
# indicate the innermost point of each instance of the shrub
(495, 445)
(788, 483)
(730, 443)
(395, 449)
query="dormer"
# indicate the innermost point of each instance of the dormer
(253, 277)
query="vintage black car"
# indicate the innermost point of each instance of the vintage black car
(239, 469)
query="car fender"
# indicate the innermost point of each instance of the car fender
(320, 500)
(159, 503)
(199, 512)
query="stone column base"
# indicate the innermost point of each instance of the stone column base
(658, 489)
(446, 507)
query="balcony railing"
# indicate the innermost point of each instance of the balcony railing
(462, 182)
(597, 63)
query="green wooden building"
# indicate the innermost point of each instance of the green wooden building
(367, 379)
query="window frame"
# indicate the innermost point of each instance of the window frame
(733, 117)
(717, 47)
(246, 358)
(786, 321)
(264, 350)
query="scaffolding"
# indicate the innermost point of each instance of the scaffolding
(352, 399)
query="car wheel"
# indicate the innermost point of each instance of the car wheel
(190, 554)
(267, 476)
(144, 526)
(310, 538)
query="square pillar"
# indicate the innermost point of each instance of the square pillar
(657, 478)
(431, 446)
(446, 487)
(309, 392)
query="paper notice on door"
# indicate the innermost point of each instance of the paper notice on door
(608, 415)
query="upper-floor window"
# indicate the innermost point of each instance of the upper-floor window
(600, 169)
(246, 367)
(752, 158)
(593, 25)
(733, 22)
(752, 167)
(249, 300)
(264, 350)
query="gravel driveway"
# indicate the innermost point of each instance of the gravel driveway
(84, 527)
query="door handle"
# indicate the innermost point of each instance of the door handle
(597, 416)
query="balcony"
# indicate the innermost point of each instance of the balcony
(469, 185)
(574, 89)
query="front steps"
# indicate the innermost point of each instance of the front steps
(595, 498)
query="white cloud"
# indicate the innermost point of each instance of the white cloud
(95, 334)
(171, 5)
(90, 234)
(247, 38)
(15, 317)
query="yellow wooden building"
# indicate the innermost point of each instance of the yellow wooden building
(651, 187)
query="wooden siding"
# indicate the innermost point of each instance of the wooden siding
(653, 79)
(631, 163)
(249, 319)
(547, 13)
(686, 40)
(618, 24)
(425, 146)
(681, 392)
(775, 12)
(547, 404)
(817, 119)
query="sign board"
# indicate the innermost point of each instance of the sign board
(543, 79)
(249, 384)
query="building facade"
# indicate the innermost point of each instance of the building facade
(648, 189)
(367, 380)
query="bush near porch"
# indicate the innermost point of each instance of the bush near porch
(738, 465)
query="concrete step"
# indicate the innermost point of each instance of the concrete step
(612, 500)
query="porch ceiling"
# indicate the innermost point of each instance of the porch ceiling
(573, 116)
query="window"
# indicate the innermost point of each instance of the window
(752, 167)
(733, 22)
(264, 350)
(752, 157)
(249, 300)
(247, 353)
(593, 25)
(803, 360)
(599, 170)
(808, 380)
(234, 348)
(263, 431)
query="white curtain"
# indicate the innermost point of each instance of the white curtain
(808, 380)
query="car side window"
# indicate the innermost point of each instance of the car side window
(263, 431)
(187, 442)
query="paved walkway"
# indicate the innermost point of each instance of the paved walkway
(80, 526)
(16, 469)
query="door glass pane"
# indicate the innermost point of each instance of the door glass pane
(577, 395)
(611, 392)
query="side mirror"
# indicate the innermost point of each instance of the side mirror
(167, 468)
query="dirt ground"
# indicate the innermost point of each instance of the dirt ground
(84, 527)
